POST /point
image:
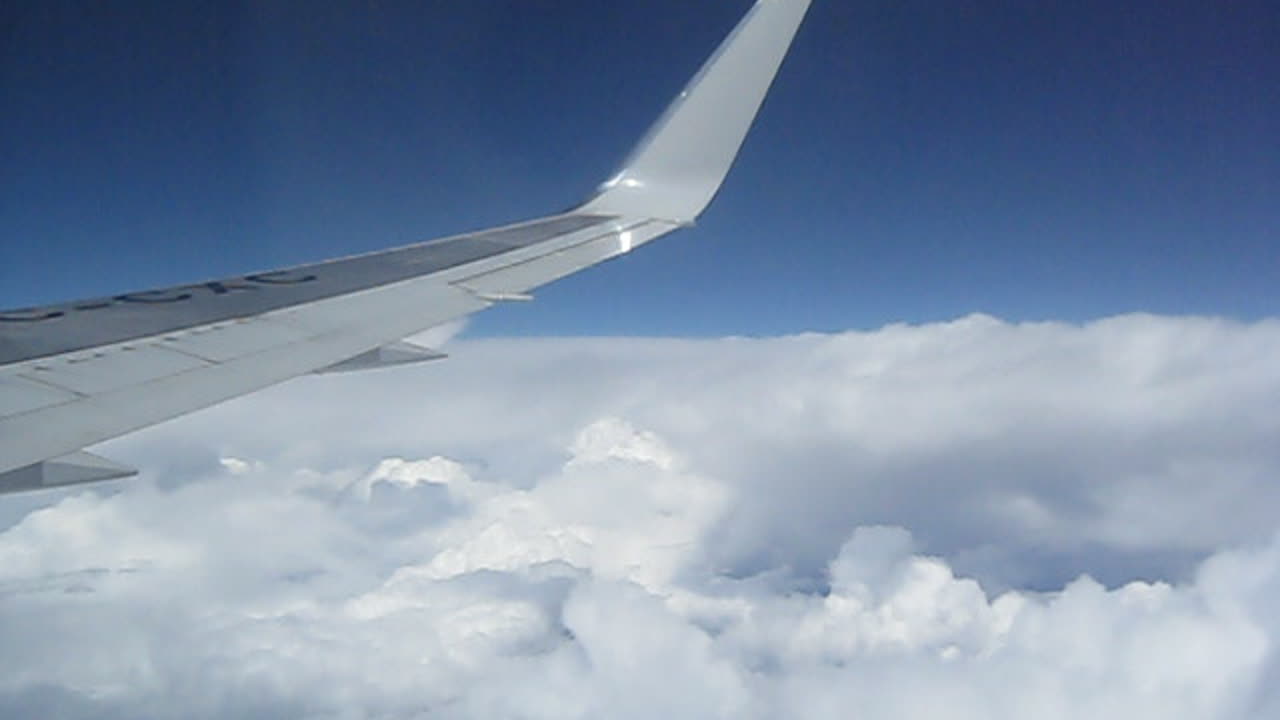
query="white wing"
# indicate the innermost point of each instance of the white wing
(76, 374)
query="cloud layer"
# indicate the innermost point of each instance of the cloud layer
(902, 523)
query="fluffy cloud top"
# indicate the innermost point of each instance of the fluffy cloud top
(899, 524)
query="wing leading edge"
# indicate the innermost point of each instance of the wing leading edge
(76, 374)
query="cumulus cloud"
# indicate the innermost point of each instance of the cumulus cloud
(970, 519)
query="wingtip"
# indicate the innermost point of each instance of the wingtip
(679, 166)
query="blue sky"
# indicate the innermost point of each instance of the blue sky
(916, 161)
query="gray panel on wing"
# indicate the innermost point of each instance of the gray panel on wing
(238, 338)
(109, 370)
(18, 395)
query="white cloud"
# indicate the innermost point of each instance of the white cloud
(901, 522)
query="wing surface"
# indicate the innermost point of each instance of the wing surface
(76, 374)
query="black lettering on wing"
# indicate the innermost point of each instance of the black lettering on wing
(155, 297)
(251, 283)
(30, 315)
(282, 277)
(227, 287)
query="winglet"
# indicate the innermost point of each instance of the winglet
(679, 166)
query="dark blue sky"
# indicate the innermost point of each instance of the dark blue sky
(918, 159)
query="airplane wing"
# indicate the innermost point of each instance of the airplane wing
(76, 374)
